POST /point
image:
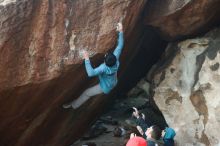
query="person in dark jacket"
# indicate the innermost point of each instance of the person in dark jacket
(140, 121)
(106, 72)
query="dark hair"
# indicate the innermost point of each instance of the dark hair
(156, 132)
(110, 59)
(117, 132)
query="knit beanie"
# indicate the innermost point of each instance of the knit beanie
(169, 133)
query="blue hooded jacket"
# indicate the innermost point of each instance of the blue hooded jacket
(107, 75)
(169, 137)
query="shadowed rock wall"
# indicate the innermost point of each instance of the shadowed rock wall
(41, 65)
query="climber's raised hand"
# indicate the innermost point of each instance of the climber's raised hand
(85, 55)
(119, 27)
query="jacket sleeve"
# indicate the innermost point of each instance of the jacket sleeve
(118, 49)
(141, 122)
(91, 71)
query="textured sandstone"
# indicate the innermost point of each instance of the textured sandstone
(41, 67)
(175, 19)
(187, 89)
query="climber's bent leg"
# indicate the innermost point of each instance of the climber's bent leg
(87, 94)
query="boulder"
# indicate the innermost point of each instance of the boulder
(186, 85)
(42, 67)
(176, 19)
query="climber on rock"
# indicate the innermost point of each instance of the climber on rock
(106, 72)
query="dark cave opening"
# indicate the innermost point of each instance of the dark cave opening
(149, 51)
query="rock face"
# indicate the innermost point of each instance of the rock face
(178, 18)
(41, 67)
(187, 85)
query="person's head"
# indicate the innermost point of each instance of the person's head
(154, 132)
(117, 132)
(110, 59)
(136, 141)
(168, 133)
